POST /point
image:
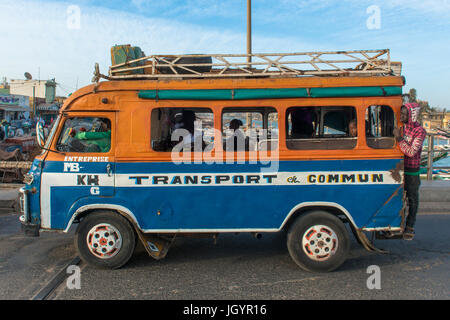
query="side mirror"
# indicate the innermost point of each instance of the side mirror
(40, 134)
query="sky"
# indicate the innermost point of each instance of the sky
(45, 38)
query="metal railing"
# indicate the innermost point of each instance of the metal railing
(336, 63)
(431, 150)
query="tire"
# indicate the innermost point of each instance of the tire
(105, 239)
(318, 241)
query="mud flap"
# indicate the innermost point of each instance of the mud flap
(156, 247)
(380, 235)
(367, 244)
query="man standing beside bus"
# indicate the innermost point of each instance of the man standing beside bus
(410, 139)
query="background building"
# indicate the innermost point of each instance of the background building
(29, 98)
(40, 92)
(44, 89)
(4, 87)
(435, 120)
(14, 107)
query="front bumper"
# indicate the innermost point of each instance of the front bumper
(29, 229)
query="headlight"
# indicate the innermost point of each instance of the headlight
(28, 178)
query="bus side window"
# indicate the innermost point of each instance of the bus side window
(250, 129)
(380, 121)
(191, 127)
(321, 128)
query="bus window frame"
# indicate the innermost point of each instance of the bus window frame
(93, 114)
(361, 151)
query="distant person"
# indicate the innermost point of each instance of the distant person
(410, 139)
(5, 126)
(46, 132)
(19, 132)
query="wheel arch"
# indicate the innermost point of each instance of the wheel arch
(85, 210)
(331, 207)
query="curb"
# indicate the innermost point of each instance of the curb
(11, 185)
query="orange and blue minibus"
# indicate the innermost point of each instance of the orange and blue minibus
(149, 160)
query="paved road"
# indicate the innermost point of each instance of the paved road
(237, 267)
(26, 264)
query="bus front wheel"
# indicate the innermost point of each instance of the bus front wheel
(105, 239)
(318, 241)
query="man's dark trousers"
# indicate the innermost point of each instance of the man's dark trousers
(412, 184)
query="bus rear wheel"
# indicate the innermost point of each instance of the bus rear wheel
(318, 241)
(105, 239)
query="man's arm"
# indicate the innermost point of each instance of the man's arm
(411, 149)
(93, 135)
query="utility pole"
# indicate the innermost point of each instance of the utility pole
(249, 49)
(34, 101)
(249, 32)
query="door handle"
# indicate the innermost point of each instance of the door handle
(108, 170)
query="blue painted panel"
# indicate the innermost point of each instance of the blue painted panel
(65, 201)
(231, 207)
(388, 213)
(84, 167)
(228, 207)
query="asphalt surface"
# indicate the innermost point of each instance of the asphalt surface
(236, 267)
(27, 264)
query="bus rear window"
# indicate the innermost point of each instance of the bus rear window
(380, 122)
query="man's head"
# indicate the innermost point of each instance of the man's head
(101, 125)
(353, 128)
(404, 114)
(409, 113)
(235, 124)
(188, 116)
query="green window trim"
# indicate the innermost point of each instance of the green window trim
(247, 94)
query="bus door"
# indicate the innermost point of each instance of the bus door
(81, 170)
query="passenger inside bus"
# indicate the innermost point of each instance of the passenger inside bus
(98, 139)
(302, 123)
(352, 128)
(194, 137)
(86, 135)
(237, 141)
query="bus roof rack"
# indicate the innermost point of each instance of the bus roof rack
(270, 65)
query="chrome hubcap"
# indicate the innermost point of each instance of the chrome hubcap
(104, 241)
(320, 243)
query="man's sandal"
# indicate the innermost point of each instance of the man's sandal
(408, 234)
